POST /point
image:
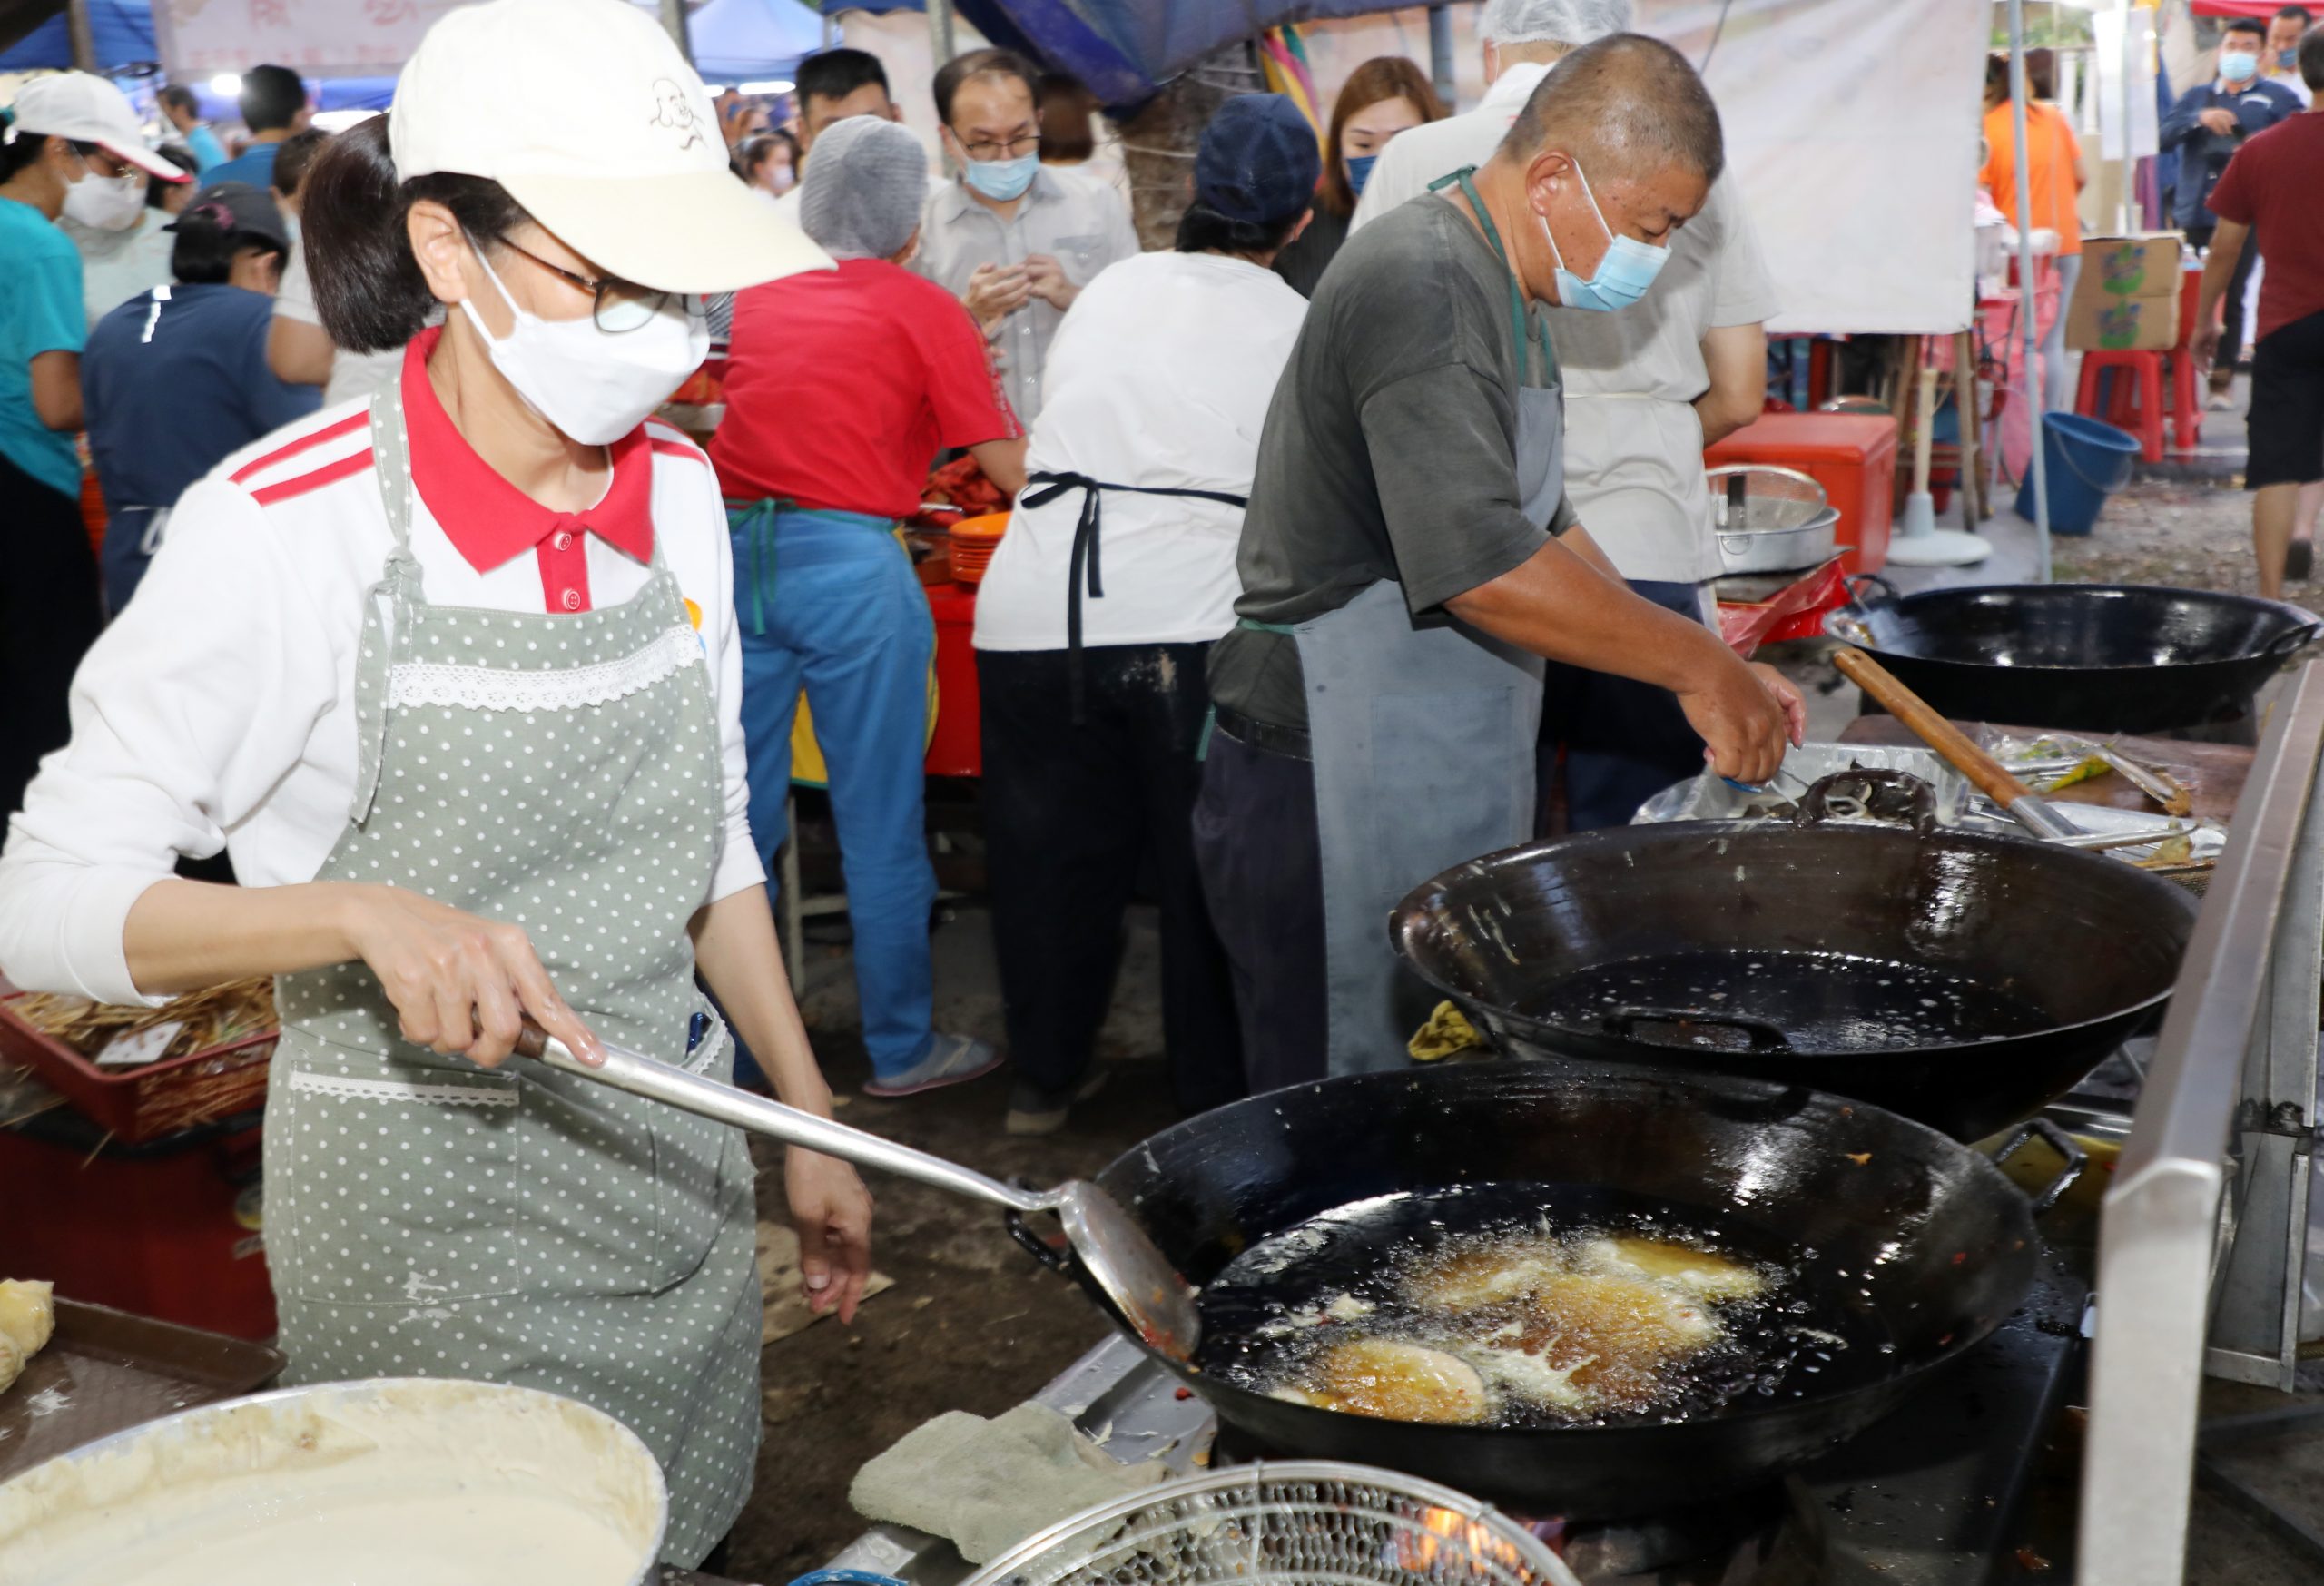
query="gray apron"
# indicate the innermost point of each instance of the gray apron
(427, 1218)
(1423, 745)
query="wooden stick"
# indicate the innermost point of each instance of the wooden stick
(1991, 778)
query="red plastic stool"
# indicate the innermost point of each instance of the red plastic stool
(2188, 390)
(2135, 403)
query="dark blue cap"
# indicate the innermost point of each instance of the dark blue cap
(1258, 161)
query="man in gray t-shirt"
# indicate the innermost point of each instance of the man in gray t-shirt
(1408, 561)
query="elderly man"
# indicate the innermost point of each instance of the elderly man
(1410, 556)
(1010, 237)
(1645, 391)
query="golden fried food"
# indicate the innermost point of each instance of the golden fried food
(1395, 1382)
(1480, 1276)
(1715, 1278)
(27, 1314)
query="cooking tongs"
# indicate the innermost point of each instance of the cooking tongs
(1143, 1286)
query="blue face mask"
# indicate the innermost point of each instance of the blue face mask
(1622, 276)
(2239, 67)
(1000, 180)
(1359, 170)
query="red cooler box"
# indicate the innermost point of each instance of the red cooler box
(1852, 455)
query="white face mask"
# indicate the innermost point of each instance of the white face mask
(595, 386)
(106, 203)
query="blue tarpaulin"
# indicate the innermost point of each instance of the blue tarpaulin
(121, 30)
(1124, 50)
(743, 40)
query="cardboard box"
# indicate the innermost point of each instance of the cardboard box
(2099, 323)
(2142, 265)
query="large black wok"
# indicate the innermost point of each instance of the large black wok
(2095, 657)
(2084, 944)
(1938, 1246)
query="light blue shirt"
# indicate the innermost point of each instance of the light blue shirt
(40, 312)
(207, 153)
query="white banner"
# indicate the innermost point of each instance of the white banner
(2122, 71)
(315, 38)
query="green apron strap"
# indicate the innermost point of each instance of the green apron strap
(1250, 625)
(1518, 338)
(756, 518)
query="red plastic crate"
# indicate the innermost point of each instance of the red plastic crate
(1852, 455)
(957, 747)
(168, 1229)
(144, 1103)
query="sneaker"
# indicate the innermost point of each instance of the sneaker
(2220, 402)
(2299, 560)
(1034, 1111)
(954, 1060)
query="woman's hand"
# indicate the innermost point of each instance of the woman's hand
(832, 1212)
(459, 983)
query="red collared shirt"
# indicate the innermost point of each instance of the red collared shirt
(489, 521)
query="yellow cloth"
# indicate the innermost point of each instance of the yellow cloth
(807, 768)
(1447, 1033)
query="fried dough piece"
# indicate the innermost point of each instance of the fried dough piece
(1715, 1278)
(1396, 1382)
(1477, 1278)
(27, 1314)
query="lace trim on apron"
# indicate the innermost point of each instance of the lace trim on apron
(354, 1089)
(499, 689)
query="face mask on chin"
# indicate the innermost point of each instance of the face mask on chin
(105, 203)
(1623, 276)
(595, 386)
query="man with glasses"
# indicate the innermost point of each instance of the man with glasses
(1014, 242)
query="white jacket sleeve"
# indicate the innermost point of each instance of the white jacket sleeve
(738, 855)
(188, 709)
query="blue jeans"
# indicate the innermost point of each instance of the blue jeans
(827, 601)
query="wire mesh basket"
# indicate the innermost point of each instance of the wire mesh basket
(1307, 1523)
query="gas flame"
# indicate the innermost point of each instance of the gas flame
(1450, 1545)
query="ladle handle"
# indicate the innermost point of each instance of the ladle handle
(642, 1076)
(1991, 778)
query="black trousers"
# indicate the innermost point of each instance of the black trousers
(1073, 815)
(2230, 338)
(1263, 871)
(1624, 742)
(50, 613)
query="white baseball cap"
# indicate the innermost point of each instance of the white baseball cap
(586, 112)
(87, 109)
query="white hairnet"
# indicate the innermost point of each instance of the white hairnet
(1552, 22)
(861, 199)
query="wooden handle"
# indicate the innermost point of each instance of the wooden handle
(1991, 778)
(532, 1041)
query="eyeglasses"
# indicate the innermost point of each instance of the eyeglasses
(615, 305)
(102, 161)
(1016, 148)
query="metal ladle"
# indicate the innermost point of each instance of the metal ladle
(1151, 1294)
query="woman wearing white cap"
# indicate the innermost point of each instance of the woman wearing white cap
(69, 145)
(453, 675)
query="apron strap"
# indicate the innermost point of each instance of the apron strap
(757, 519)
(1086, 540)
(384, 640)
(1517, 336)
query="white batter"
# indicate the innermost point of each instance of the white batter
(420, 1541)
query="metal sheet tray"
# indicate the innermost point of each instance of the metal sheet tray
(107, 1369)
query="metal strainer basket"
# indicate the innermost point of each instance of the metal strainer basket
(1305, 1522)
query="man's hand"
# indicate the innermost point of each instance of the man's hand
(1047, 280)
(2222, 121)
(995, 292)
(1745, 715)
(2205, 347)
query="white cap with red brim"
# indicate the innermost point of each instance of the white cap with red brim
(586, 112)
(86, 109)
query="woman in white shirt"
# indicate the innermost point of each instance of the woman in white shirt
(1094, 622)
(452, 673)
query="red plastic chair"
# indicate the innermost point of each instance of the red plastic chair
(2134, 402)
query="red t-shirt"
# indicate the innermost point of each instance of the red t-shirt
(2272, 186)
(843, 385)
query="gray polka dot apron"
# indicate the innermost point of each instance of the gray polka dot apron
(427, 1218)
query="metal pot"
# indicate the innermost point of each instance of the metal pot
(294, 1455)
(1769, 519)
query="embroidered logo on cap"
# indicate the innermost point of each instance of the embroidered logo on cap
(673, 109)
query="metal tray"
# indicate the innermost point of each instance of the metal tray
(1710, 797)
(107, 1369)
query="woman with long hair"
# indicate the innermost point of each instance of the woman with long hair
(1383, 97)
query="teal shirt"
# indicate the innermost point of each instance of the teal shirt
(40, 312)
(207, 153)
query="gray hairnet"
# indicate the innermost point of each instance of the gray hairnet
(1552, 22)
(866, 177)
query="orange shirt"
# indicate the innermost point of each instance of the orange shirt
(2049, 175)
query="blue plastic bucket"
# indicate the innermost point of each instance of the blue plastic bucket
(2087, 460)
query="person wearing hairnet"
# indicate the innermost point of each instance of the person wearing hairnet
(823, 591)
(1645, 391)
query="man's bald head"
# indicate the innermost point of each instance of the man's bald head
(1626, 105)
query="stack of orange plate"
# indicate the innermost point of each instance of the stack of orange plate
(974, 540)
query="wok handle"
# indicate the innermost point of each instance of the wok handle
(1764, 1037)
(1061, 1262)
(2076, 1159)
(1889, 591)
(1991, 778)
(2290, 641)
(639, 1075)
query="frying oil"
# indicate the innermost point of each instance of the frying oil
(1480, 1306)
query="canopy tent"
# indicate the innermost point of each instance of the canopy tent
(740, 41)
(121, 30)
(2260, 10)
(1122, 49)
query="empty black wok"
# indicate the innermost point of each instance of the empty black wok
(1939, 1248)
(2080, 948)
(2092, 657)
